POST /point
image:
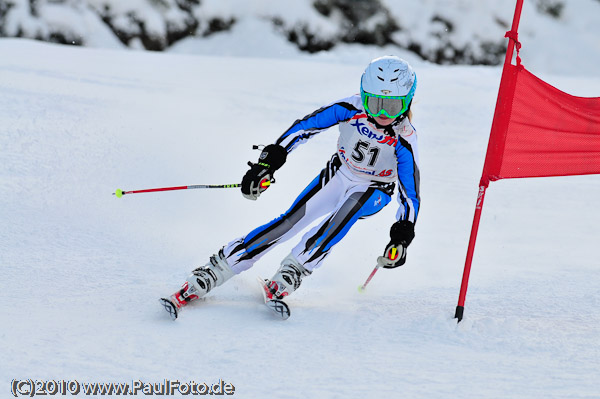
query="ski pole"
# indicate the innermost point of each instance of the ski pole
(361, 288)
(119, 193)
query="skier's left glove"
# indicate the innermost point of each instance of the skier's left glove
(259, 177)
(401, 235)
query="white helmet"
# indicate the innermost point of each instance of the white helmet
(387, 86)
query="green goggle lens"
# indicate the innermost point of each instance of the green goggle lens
(392, 107)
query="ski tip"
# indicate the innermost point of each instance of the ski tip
(169, 307)
(279, 308)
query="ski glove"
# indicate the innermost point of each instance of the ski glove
(259, 177)
(401, 235)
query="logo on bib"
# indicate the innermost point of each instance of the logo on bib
(381, 138)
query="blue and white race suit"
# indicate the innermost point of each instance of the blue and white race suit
(356, 183)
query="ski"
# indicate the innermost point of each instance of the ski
(169, 307)
(277, 306)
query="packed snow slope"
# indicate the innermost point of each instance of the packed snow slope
(82, 270)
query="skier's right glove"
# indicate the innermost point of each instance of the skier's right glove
(259, 177)
(401, 235)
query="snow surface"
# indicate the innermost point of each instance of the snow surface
(82, 270)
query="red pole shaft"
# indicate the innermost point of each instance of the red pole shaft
(119, 193)
(151, 190)
(514, 28)
(460, 308)
(484, 179)
(370, 277)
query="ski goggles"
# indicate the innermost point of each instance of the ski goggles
(390, 106)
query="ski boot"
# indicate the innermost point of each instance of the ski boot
(287, 279)
(199, 283)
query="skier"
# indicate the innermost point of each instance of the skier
(377, 146)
